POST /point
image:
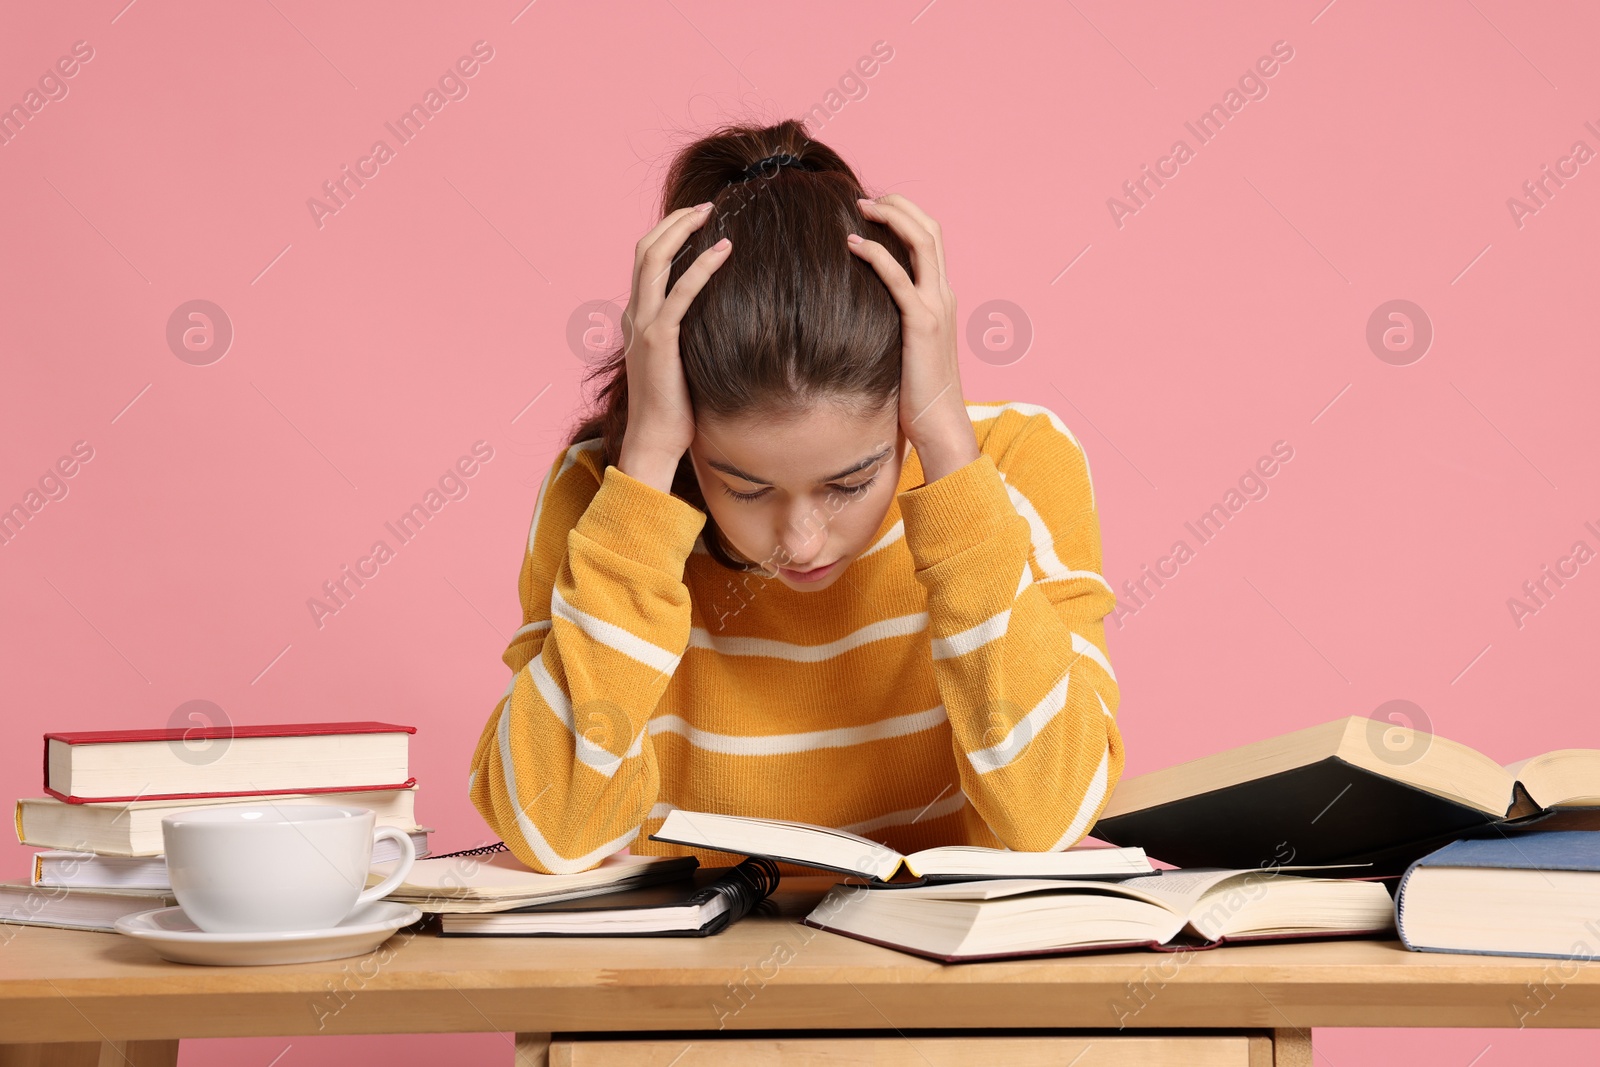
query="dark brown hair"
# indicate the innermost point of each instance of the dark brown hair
(793, 317)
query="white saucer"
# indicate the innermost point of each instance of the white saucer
(175, 937)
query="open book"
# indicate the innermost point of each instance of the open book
(840, 850)
(1007, 918)
(1352, 789)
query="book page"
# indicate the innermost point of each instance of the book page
(1177, 897)
(949, 862)
(1566, 777)
(502, 874)
(831, 831)
(1180, 890)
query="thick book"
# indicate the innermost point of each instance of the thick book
(1172, 910)
(133, 828)
(304, 757)
(76, 909)
(831, 849)
(495, 880)
(697, 906)
(1527, 895)
(91, 870)
(1351, 790)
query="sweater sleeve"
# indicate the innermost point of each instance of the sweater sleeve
(1010, 557)
(564, 770)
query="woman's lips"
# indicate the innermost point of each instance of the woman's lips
(815, 574)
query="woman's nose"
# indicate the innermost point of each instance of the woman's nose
(801, 539)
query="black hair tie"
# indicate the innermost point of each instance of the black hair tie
(769, 167)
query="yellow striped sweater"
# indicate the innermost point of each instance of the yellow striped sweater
(951, 687)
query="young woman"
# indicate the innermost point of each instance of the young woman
(787, 570)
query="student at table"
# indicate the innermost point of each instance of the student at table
(786, 568)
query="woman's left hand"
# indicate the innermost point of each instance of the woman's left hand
(933, 411)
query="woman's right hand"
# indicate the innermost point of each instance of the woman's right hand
(660, 418)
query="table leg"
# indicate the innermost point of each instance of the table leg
(91, 1054)
(1291, 1048)
(533, 1050)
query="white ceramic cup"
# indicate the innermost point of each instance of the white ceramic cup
(255, 868)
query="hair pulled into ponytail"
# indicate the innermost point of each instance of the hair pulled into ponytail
(791, 319)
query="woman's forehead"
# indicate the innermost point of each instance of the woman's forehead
(810, 445)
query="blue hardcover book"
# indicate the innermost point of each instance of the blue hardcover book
(1535, 894)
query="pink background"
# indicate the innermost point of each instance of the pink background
(1230, 312)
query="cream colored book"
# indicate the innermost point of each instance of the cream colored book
(133, 828)
(498, 881)
(75, 909)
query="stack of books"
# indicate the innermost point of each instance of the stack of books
(99, 826)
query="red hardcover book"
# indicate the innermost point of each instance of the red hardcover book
(163, 770)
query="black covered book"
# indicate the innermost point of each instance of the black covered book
(1352, 790)
(703, 903)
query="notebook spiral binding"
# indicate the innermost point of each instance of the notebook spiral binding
(498, 846)
(746, 885)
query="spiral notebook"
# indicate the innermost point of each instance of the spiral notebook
(703, 903)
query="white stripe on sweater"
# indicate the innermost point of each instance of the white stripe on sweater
(1044, 545)
(991, 629)
(808, 741)
(584, 750)
(613, 636)
(532, 627)
(899, 626)
(903, 817)
(1091, 797)
(1023, 731)
(1091, 651)
(537, 842)
(890, 536)
(1086, 807)
(980, 412)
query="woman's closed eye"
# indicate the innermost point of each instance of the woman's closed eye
(847, 490)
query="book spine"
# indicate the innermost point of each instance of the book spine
(1399, 906)
(407, 784)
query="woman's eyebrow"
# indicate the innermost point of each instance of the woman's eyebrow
(729, 468)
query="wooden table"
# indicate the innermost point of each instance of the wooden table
(769, 990)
